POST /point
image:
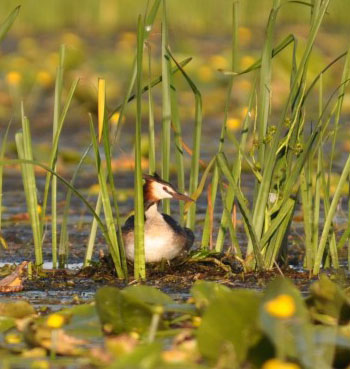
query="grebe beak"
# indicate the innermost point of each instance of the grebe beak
(181, 196)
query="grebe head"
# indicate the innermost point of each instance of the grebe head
(155, 189)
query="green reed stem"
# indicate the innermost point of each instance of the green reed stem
(56, 116)
(237, 170)
(271, 157)
(215, 180)
(151, 139)
(8, 22)
(54, 149)
(139, 262)
(166, 105)
(63, 245)
(330, 215)
(116, 132)
(179, 154)
(2, 155)
(24, 149)
(107, 208)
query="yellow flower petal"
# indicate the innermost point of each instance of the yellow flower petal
(218, 62)
(115, 118)
(55, 320)
(13, 338)
(40, 364)
(233, 124)
(283, 306)
(279, 364)
(13, 78)
(44, 78)
(205, 73)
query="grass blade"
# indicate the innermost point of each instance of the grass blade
(63, 245)
(56, 116)
(110, 225)
(2, 155)
(214, 184)
(24, 149)
(151, 139)
(139, 262)
(330, 215)
(243, 208)
(8, 22)
(166, 106)
(191, 217)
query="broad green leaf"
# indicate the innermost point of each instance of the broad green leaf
(204, 292)
(328, 300)
(285, 320)
(16, 309)
(230, 326)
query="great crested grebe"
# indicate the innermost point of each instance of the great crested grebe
(164, 237)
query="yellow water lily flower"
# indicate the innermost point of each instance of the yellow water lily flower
(55, 320)
(13, 78)
(282, 306)
(44, 78)
(233, 124)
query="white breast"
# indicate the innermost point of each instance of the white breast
(160, 240)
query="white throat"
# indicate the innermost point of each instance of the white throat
(152, 211)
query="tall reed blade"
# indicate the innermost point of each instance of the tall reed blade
(2, 155)
(56, 117)
(191, 216)
(166, 100)
(265, 82)
(215, 180)
(117, 129)
(241, 200)
(8, 22)
(139, 257)
(276, 150)
(64, 238)
(237, 172)
(110, 225)
(151, 139)
(24, 149)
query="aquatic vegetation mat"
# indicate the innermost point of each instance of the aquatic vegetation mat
(216, 327)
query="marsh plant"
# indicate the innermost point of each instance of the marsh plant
(283, 151)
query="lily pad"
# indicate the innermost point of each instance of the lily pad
(84, 322)
(328, 303)
(128, 310)
(286, 322)
(229, 325)
(16, 309)
(203, 292)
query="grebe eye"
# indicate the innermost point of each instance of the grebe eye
(164, 188)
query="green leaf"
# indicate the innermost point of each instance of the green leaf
(119, 313)
(204, 292)
(229, 325)
(327, 299)
(143, 357)
(84, 322)
(6, 25)
(16, 309)
(148, 295)
(6, 323)
(288, 325)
